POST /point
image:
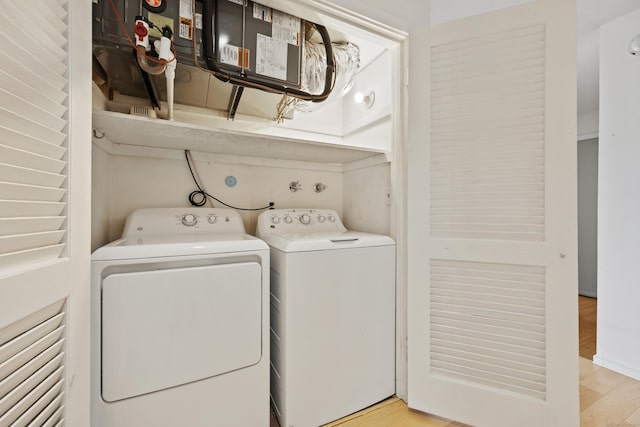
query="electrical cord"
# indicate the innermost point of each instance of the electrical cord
(199, 197)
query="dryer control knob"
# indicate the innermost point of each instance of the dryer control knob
(275, 219)
(189, 220)
(332, 218)
(305, 219)
(288, 219)
(212, 219)
(321, 218)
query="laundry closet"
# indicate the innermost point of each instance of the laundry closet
(307, 163)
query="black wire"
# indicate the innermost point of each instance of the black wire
(202, 193)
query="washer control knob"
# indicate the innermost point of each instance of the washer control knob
(189, 220)
(212, 219)
(288, 219)
(331, 218)
(321, 218)
(305, 219)
(275, 219)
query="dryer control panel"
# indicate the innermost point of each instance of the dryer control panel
(299, 221)
(168, 221)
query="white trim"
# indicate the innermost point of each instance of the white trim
(616, 367)
(375, 160)
(115, 149)
(399, 195)
(343, 14)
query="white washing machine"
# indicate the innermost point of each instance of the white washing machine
(332, 316)
(180, 321)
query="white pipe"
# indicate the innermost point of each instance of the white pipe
(170, 74)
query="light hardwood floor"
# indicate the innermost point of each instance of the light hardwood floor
(587, 326)
(607, 399)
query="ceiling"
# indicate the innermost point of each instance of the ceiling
(591, 14)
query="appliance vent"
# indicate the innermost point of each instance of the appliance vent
(32, 369)
(143, 111)
(487, 157)
(488, 325)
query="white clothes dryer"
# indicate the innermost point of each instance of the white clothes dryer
(332, 316)
(180, 321)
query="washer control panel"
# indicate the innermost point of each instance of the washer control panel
(299, 221)
(163, 221)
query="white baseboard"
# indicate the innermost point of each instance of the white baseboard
(617, 367)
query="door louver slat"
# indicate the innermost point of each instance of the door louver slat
(10, 226)
(50, 414)
(34, 93)
(13, 347)
(53, 41)
(480, 333)
(32, 368)
(488, 162)
(55, 419)
(14, 191)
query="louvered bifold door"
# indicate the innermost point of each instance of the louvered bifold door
(493, 316)
(33, 132)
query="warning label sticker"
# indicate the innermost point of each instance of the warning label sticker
(234, 55)
(271, 57)
(262, 12)
(185, 9)
(284, 20)
(286, 35)
(186, 28)
(186, 20)
(286, 28)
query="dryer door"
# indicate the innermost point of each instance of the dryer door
(165, 328)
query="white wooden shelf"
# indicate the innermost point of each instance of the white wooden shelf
(132, 130)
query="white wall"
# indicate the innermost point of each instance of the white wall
(99, 197)
(588, 217)
(588, 125)
(131, 178)
(365, 206)
(619, 199)
(370, 127)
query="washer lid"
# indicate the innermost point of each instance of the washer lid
(304, 242)
(176, 245)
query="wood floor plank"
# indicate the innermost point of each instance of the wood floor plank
(587, 367)
(393, 414)
(633, 420)
(588, 397)
(603, 380)
(588, 310)
(613, 408)
(376, 407)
